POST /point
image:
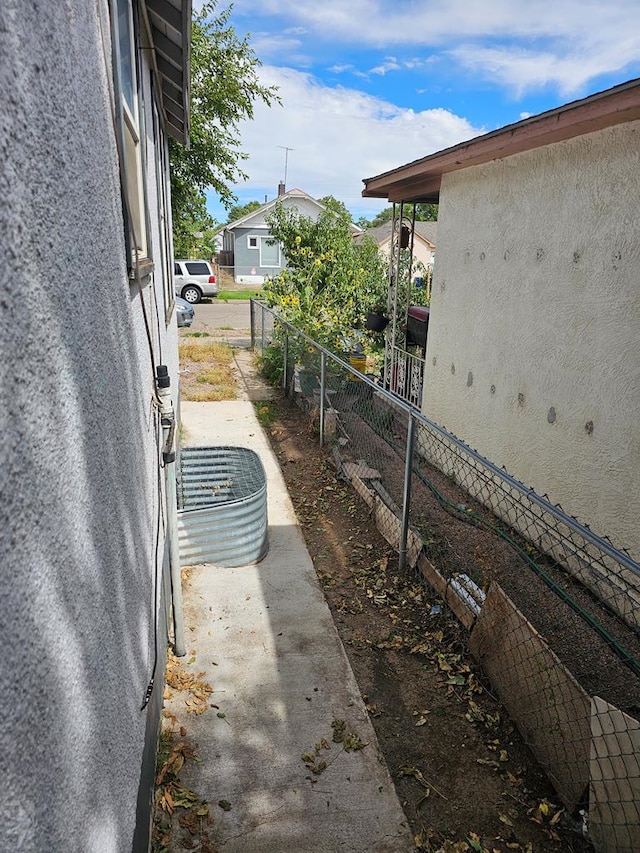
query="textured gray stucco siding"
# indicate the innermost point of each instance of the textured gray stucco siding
(79, 489)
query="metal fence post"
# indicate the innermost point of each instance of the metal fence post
(323, 370)
(406, 497)
(253, 323)
(262, 331)
(285, 360)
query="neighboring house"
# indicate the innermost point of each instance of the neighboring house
(247, 245)
(532, 355)
(424, 241)
(87, 315)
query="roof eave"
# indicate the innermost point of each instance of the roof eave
(420, 180)
(169, 23)
(294, 193)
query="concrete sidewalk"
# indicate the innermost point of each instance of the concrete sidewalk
(265, 639)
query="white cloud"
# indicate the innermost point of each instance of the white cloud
(525, 43)
(523, 70)
(390, 64)
(338, 136)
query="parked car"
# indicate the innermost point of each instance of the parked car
(184, 312)
(194, 279)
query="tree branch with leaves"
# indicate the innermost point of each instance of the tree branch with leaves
(225, 86)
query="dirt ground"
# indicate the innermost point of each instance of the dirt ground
(464, 777)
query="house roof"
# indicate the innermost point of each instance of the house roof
(426, 230)
(168, 23)
(264, 208)
(419, 181)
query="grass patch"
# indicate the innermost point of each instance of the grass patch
(230, 295)
(196, 335)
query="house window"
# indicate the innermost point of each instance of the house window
(269, 252)
(164, 233)
(130, 122)
(252, 242)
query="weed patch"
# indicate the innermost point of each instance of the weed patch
(195, 350)
(265, 414)
(207, 371)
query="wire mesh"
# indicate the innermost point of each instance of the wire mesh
(553, 608)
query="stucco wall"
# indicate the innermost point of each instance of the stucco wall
(78, 457)
(422, 252)
(533, 354)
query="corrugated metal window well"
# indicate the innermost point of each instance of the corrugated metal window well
(222, 506)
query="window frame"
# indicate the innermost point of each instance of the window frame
(130, 123)
(276, 244)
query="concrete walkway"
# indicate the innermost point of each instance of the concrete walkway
(265, 639)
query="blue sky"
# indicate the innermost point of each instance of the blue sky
(368, 85)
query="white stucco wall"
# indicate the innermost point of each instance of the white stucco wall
(422, 251)
(533, 354)
(78, 456)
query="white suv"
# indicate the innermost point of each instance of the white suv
(193, 280)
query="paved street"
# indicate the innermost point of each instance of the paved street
(219, 316)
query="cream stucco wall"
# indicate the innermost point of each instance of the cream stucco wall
(533, 355)
(422, 251)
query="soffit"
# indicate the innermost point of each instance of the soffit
(170, 32)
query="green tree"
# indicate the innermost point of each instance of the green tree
(337, 207)
(382, 217)
(224, 88)
(424, 213)
(331, 281)
(237, 211)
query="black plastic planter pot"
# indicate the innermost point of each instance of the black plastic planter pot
(376, 322)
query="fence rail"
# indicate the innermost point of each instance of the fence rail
(403, 375)
(552, 608)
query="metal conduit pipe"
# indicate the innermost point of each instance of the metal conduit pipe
(168, 421)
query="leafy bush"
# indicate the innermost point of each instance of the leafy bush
(330, 282)
(271, 365)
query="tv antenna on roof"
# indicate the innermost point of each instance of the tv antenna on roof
(286, 161)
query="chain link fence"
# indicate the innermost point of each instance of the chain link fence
(552, 608)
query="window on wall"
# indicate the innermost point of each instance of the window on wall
(130, 126)
(269, 252)
(164, 235)
(252, 242)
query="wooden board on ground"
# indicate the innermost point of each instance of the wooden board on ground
(551, 710)
(441, 585)
(614, 794)
(353, 469)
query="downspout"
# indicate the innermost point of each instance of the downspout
(168, 421)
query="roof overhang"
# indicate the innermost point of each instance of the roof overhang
(419, 181)
(169, 26)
